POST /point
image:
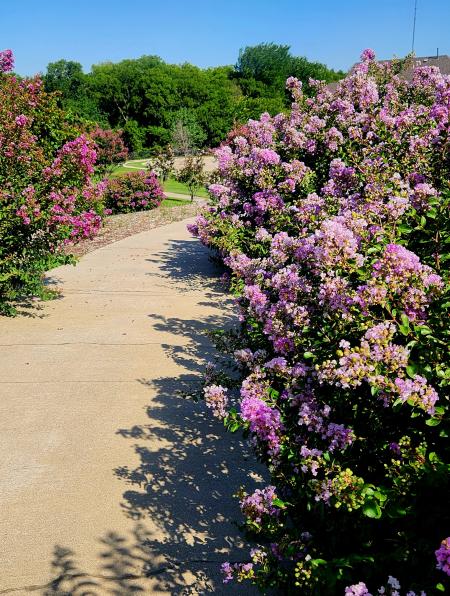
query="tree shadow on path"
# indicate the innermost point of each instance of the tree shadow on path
(179, 492)
(189, 467)
(191, 267)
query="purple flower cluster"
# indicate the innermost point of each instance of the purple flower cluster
(399, 274)
(392, 589)
(264, 421)
(321, 217)
(238, 571)
(443, 556)
(259, 504)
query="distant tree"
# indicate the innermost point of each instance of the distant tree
(266, 62)
(192, 174)
(134, 136)
(156, 103)
(157, 137)
(111, 149)
(163, 163)
(303, 69)
(187, 134)
(65, 76)
(262, 71)
(121, 88)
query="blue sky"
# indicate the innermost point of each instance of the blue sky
(208, 32)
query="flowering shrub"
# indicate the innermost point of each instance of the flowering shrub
(334, 223)
(134, 191)
(110, 149)
(47, 198)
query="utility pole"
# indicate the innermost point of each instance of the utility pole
(414, 26)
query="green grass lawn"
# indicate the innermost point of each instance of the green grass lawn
(170, 185)
(174, 202)
(123, 170)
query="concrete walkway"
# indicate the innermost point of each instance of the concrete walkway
(110, 481)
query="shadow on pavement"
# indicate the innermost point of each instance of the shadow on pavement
(187, 472)
(190, 266)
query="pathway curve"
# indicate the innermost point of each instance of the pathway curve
(110, 481)
(209, 161)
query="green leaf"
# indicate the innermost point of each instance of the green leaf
(404, 327)
(440, 587)
(279, 503)
(404, 319)
(432, 421)
(308, 355)
(424, 330)
(372, 509)
(411, 370)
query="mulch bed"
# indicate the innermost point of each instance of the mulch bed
(117, 227)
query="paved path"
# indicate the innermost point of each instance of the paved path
(110, 482)
(209, 161)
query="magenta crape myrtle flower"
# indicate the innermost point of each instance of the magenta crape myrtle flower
(6, 61)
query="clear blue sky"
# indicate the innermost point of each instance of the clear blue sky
(208, 32)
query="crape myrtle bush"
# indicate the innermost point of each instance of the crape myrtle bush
(334, 223)
(133, 191)
(46, 196)
(110, 149)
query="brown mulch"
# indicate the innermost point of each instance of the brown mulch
(117, 227)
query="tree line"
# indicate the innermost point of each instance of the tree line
(151, 100)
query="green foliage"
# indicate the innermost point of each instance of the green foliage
(192, 174)
(65, 76)
(134, 136)
(262, 71)
(146, 97)
(186, 133)
(267, 63)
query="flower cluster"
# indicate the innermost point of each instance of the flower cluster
(110, 148)
(216, 399)
(6, 61)
(47, 197)
(259, 504)
(443, 556)
(333, 220)
(392, 589)
(134, 191)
